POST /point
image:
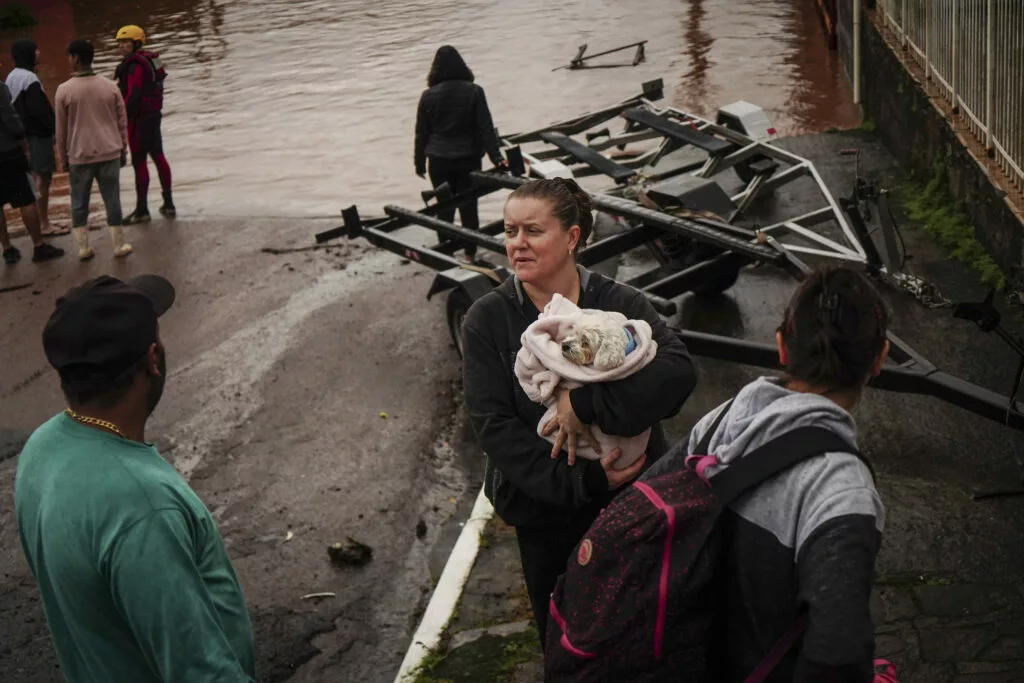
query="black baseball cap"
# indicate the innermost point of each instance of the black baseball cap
(101, 328)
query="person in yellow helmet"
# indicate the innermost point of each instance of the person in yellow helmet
(141, 78)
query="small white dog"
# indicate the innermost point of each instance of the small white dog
(599, 341)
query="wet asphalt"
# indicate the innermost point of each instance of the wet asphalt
(311, 398)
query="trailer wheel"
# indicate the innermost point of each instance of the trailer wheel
(458, 305)
(719, 284)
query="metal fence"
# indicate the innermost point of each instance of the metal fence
(973, 51)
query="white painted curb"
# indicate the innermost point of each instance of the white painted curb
(448, 590)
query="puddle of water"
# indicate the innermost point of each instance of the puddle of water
(301, 107)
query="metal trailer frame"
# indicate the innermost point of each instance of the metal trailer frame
(762, 166)
(906, 370)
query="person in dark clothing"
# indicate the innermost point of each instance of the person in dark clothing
(16, 185)
(141, 78)
(550, 502)
(454, 130)
(804, 542)
(37, 116)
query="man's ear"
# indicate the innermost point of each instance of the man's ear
(880, 361)
(153, 359)
(783, 351)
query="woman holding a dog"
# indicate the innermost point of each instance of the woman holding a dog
(550, 499)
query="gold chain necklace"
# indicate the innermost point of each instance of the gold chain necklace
(110, 426)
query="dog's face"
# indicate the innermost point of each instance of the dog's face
(595, 341)
(581, 346)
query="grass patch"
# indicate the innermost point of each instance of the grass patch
(867, 126)
(16, 16)
(431, 662)
(491, 658)
(933, 210)
(519, 651)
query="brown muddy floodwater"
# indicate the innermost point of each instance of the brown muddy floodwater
(301, 107)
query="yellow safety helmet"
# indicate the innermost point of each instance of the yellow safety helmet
(131, 32)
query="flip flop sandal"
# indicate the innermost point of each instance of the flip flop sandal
(57, 231)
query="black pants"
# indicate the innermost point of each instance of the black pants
(544, 554)
(456, 172)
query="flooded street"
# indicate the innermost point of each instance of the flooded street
(310, 394)
(301, 107)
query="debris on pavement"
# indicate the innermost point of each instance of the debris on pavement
(313, 596)
(14, 288)
(289, 536)
(421, 529)
(351, 553)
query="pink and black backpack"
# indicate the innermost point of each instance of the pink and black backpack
(638, 601)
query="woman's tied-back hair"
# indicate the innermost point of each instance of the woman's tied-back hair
(570, 204)
(448, 66)
(834, 329)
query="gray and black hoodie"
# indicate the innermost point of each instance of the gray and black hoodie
(31, 103)
(805, 540)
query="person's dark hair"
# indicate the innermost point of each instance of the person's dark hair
(103, 395)
(834, 329)
(569, 202)
(82, 49)
(448, 66)
(23, 52)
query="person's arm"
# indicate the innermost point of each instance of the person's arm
(122, 119)
(8, 117)
(422, 135)
(512, 445)
(159, 591)
(835, 570)
(656, 392)
(37, 107)
(485, 128)
(61, 135)
(133, 100)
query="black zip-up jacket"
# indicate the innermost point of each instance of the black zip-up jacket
(527, 487)
(31, 103)
(453, 121)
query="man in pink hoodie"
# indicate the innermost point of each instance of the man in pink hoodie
(92, 142)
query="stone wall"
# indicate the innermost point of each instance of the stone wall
(921, 137)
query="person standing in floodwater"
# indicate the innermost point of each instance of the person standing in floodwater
(454, 129)
(141, 78)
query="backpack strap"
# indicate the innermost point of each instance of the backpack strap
(778, 652)
(776, 456)
(705, 442)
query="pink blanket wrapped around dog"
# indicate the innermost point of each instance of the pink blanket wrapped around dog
(541, 369)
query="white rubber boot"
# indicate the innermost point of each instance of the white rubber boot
(82, 240)
(117, 237)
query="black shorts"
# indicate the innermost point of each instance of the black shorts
(15, 182)
(144, 136)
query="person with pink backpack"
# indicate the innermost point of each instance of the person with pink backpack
(747, 553)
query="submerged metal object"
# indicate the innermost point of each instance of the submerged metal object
(580, 61)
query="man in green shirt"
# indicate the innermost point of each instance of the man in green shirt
(135, 580)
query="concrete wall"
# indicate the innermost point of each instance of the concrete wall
(920, 137)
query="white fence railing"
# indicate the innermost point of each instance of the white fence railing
(973, 51)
